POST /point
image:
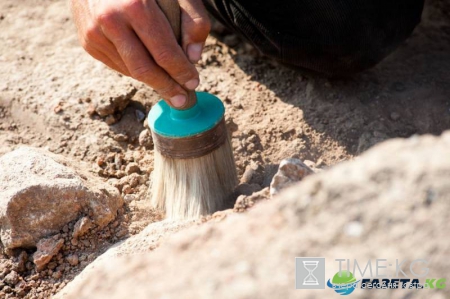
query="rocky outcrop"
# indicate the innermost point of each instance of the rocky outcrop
(392, 203)
(39, 194)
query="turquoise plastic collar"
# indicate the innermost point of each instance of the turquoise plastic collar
(168, 122)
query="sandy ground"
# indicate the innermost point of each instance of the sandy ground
(51, 91)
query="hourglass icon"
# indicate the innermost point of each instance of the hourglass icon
(310, 279)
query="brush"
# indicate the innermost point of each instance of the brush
(194, 169)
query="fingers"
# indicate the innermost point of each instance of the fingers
(103, 50)
(195, 27)
(135, 38)
(99, 55)
(142, 67)
(155, 32)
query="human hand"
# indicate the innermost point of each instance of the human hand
(135, 38)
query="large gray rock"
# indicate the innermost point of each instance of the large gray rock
(392, 203)
(39, 195)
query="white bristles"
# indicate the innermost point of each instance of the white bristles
(189, 188)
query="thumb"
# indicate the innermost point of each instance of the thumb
(195, 27)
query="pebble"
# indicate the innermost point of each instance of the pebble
(81, 227)
(72, 259)
(12, 278)
(140, 116)
(145, 139)
(120, 137)
(353, 229)
(132, 168)
(110, 120)
(289, 172)
(46, 249)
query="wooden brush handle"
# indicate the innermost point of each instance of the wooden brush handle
(172, 10)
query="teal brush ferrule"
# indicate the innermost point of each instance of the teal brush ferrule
(172, 123)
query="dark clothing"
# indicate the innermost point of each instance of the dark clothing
(331, 37)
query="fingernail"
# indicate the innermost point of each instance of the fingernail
(192, 84)
(194, 52)
(178, 100)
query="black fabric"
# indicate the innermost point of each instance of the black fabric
(331, 37)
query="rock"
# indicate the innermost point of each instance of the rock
(290, 171)
(132, 168)
(22, 259)
(107, 107)
(72, 259)
(46, 249)
(110, 120)
(140, 116)
(145, 139)
(248, 174)
(12, 278)
(252, 255)
(245, 202)
(253, 174)
(39, 195)
(147, 240)
(81, 227)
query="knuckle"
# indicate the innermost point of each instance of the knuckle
(164, 57)
(143, 73)
(92, 33)
(106, 18)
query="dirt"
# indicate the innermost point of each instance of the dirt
(54, 96)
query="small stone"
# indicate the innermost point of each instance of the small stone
(46, 249)
(12, 278)
(86, 243)
(353, 229)
(91, 109)
(133, 180)
(120, 137)
(145, 139)
(57, 275)
(21, 261)
(72, 259)
(140, 116)
(132, 168)
(395, 116)
(121, 233)
(245, 202)
(127, 189)
(290, 171)
(81, 227)
(66, 228)
(248, 174)
(129, 198)
(110, 120)
(52, 265)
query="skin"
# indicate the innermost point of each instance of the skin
(134, 38)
